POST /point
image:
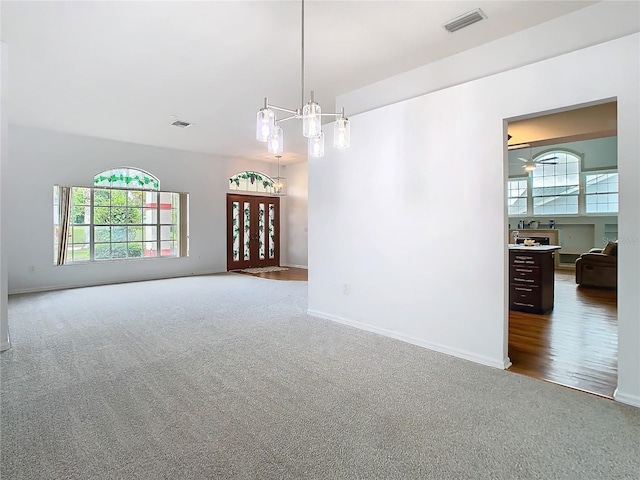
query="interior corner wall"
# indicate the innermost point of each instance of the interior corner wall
(294, 216)
(387, 255)
(39, 159)
(4, 322)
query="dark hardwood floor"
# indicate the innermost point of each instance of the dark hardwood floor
(295, 274)
(575, 345)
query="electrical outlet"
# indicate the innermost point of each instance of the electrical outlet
(346, 289)
(32, 269)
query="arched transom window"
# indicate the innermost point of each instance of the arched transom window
(125, 177)
(249, 181)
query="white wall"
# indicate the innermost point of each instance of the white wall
(4, 323)
(294, 216)
(38, 159)
(411, 269)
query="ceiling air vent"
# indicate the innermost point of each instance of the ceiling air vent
(180, 124)
(464, 20)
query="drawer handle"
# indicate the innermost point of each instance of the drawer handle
(521, 289)
(523, 304)
(526, 270)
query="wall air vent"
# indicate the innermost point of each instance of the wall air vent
(180, 124)
(465, 20)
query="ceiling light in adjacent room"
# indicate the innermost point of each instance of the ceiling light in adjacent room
(279, 183)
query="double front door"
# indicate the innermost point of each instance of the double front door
(253, 231)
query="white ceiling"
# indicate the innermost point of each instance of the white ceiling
(119, 70)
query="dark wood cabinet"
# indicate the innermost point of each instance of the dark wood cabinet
(531, 271)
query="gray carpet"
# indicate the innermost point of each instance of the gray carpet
(224, 376)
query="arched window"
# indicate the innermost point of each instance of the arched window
(125, 177)
(556, 184)
(250, 181)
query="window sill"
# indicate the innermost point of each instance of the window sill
(119, 260)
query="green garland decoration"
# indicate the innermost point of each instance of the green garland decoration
(127, 180)
(252, 177)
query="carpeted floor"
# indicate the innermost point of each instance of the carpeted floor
(224, 376)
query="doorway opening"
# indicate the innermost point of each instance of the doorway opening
(562, 190)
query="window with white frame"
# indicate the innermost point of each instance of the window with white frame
(601, 192)
(555, 187)
(517, 196)
(130, 218)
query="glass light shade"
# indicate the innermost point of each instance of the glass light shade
(280, 186)
(275, 142)
(265, 123)
(316, 145)
(311, 120)
(342, 133)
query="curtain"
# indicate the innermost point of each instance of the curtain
(64, 214)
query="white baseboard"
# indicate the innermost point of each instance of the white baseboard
(633, 400)
(481, 359)
(51, 288)
(295, 266)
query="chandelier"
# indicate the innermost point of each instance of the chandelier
(268, 129)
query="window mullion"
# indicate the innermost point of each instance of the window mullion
(582, 203)
(158, 251)
(92, 238)
(529, 195)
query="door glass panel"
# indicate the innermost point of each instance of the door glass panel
(261, 222)
(235, 215)
(247, 226)
(272, 230)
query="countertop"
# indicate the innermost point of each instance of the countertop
(539, 248)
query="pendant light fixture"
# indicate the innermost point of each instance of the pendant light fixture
(268, 130)
(279, 183)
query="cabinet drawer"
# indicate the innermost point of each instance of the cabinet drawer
(524, 274)
(524, 296)
(524, 259)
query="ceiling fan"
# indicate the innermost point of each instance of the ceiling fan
(530, 164)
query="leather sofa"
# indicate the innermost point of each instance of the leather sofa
(598, 267)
